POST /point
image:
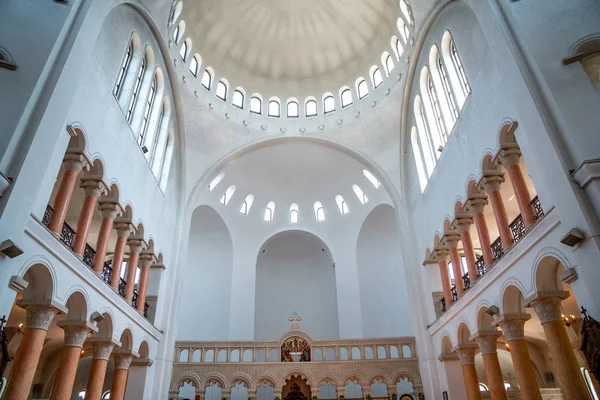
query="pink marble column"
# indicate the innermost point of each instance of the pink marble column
(73, 164)
(123, 232)
(109, 213)
(102, 351)
(442, 258)
(135, 247)
(93, 189)
(476, 206)
(119, 380)
(491, 184)
(464, 227)
(452, 244)
(510, 159)
(146, 261)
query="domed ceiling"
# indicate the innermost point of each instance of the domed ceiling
(290, 47)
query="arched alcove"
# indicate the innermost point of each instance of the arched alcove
(383, 293)
(295, 272)
(206, 279)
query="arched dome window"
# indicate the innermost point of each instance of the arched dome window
(426, 141)
(388, 62)
(376, 76)
(293, 110)
(195, 64)
(238, 98)
(227, 195)
(362, 197)
(147, 109)
(328, 103)
(207, 78)
(256, 104)
(213, 184)
(436, 109)
(371, 178)
(245, 209)
(178, 32)
(405, 12)
(222, 89)
(346, 96)
(310, 107)
(319, 211)
(124, 68)
(397, 47)
(361, 88)
(456, 72)
(417, 151)
(294, 213)
(186, 48)
(403, 29)
(136, 87)
(274, 108)
(342, 205)
(270, 211)
(440, 75)
(176, 12)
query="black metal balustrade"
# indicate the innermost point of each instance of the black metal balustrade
(67, 237)
(518, 231)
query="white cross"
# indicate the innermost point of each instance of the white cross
(295, 319)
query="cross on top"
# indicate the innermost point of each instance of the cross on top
(295, 320)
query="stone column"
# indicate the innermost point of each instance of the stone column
(173, 394)
(464, 227)
(200, 394)
(491, 183)
(392, 389)
(509, 157)
(252, 394)
(123, 232)
(549, 312)
(146, 261)
(109, 213)
(135, 247)
(38, 320)
(276, 391)
(476, 206)
(487, 346)
(513, 329)
(226, 393)
(314, 392)
(466, 355)
(366, 390)
(93, 188)
(73, 164)
(102, 350)
(119, 381)
(452, 243)
(75, 335)
(442, 257)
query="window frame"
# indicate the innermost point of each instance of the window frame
(295, 103)
(243, 97)
(306, 105)
(136, 89)
(123, 69)
(148, 111)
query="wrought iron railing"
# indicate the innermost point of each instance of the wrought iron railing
(518, 231)
(454, 293)
(67, 237)
(134, 298)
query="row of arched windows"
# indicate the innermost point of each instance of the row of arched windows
(141, 93)
(292, 106)
(444, 89)
(294, 212)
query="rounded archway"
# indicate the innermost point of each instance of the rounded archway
(295, 272)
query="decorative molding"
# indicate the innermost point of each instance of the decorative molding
(569, 276)
(18, 284)
(512, 325)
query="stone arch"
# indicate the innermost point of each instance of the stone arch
(77, 305)
(484, 320)
(321, 379)
(105, 327)
(446, 346)
(512, 299)
(380, 375)
(459, 207)
(242, 378)
(185, 378)
(41, 283)
(507, 130)
(144, 350)
(549, 264)
(96, 168)
(354, 376)
(296, 373)
(408, 374)
(126, 340)
(265, 378)
(213, 379)
(77, 142)
(463, 334)
(488, 163)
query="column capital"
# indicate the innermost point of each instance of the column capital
(76, 332)
(450, 239)
(123, 359)
(547, 305)
(135, 244)
(74, 161)
(341, 391)
(448, 357)
(440, 254)
(110, 209)
(463, 223)
(466, 353)
(146, 258)
(93, 186)
(143, 362)
(492, 181)
(124, 228)
(510, 155)
(487, 340)
(366, 390)
(476, 204)
(103, 348)
(40, 315)
(512, 325)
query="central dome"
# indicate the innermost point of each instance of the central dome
(290, 47)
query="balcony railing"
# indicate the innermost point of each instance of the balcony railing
(518, 231)
(67, 238)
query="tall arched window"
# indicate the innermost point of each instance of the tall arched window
(207, 79)
(371, 178)
(294, 213)
(213, 184)
(362, 197)
(167, 158)
(311, 108)
(274, 108)
(346, 97)
(328, 103)
(361, 88)
(405, 12)
(425, 138)
(456, 72)
(185, 48)
(158, 129)
(342, 205)
(178, 32)
(376, 76)
(255, 104)
(146, 115)
(176, 12)
(319, 211)
(441, 69)
(292, 108)
(388, 63)
(238, 98)
(227, 195)
(245, 209)
(124, 68)
(222, 88)
(459, 67)
(437, 111)
(195, 65)
(418, 159)
(136, 88)
(403, 29)
(399, 48)
(270, 211)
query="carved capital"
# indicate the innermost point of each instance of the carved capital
(466, 353)
(448, 357)
(487, 342)
(40, 316)
(110, 209)
(512, 326)
(76, 332)
(146, 259)
(135, 244)
(103, 349)
(547, 307)
(451, 239)
(463, 224)
(492, 181)
(123, 228)
(476, 204)
(74, 161)
(92, 186)
(122, 360)
(510, 155)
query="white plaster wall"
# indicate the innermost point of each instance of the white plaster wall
(295, 272)
(384, 298)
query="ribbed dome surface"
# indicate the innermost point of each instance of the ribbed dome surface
(290, 47)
